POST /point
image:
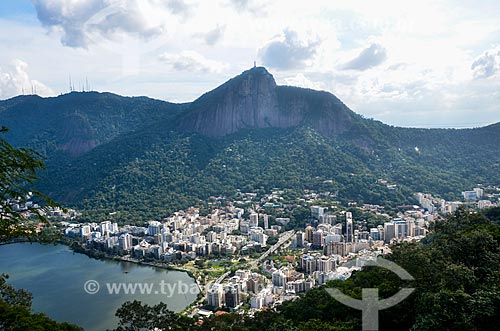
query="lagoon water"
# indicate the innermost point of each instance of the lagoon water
(56, 277)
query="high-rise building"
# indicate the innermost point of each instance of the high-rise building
(85, 230)
(340, 248)
(279, 277)
(125, 242)
(215, 295)
(479, 192)
(257, 302)
(325, 264)
(167, 237)
(328, 249)
(254, 220)
(232, 296)
(105, 227)
(389, 232)
(331, 237)
(309, 233)
(318, 239)
(469, 195)
(337, 229)
(410, 227)
(154, 227)
(317, 211)
(381, 233)
(266, 221)
(400, 229)
(484, 204)
(244, 226)
(211, 236)
(308, 264)
(258, 235)
(328, 219)
(299, 237)
(158, 238)
(349, 227)
(255, 284)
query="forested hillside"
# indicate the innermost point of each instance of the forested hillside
(145, 158)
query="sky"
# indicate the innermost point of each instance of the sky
(406, 63)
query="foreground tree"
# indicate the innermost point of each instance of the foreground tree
(135, 316)
(15, 312)
(17, 173)
(18, 201)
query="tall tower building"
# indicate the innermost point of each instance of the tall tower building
(266, 221)
(232, 296)
(389, 232)
(349, 227)
(125, 241)
(309, 233)
(254, 220)
(300, 236)
(215, 295)
(318, 239)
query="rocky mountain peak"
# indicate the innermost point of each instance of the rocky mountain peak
(253, 100)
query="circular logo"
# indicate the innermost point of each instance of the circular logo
(91, 286)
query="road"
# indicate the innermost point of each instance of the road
(283, 239)
(221, 278)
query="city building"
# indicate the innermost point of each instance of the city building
(317, 212)
(215, 295)
(349, 227)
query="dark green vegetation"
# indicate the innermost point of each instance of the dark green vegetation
(457, 276)
(16, 315)
(142, 159)
(136, 316)
(18, 169)
(17, 172)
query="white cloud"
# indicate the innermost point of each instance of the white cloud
(240, 4)
(213, 36)
(488, 64)
(180, 7)
(368, 58)
(79, 21)
(431, 63)
(289, 50)
(192, 62)
(15, 80)
(301, 80)
(257, 8)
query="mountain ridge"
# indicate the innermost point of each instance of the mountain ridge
(146, 158)
(253, 100)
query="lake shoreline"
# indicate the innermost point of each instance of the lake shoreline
(92, 254)
(56, 276)
(103, 256)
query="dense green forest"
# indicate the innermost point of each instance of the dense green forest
(126, 156)
(151, 173)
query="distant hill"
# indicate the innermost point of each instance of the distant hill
(77, 122)
(145, 158)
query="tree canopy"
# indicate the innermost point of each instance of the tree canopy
(18, 200)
